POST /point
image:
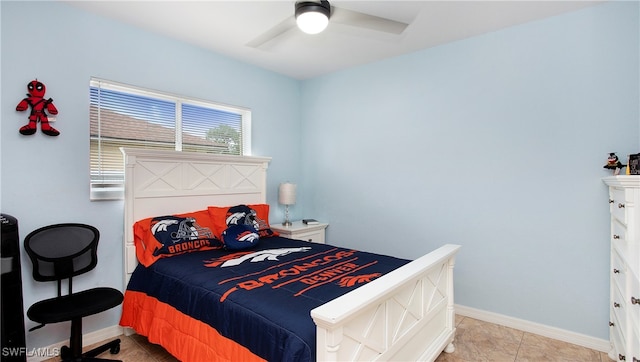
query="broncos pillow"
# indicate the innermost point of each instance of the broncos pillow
(240, 237)
(253, 214)
(169, 235)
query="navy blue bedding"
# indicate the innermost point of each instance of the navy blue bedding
(261, 298)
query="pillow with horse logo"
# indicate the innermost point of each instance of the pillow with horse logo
(170, 235)
(252, 214)
(240, 237)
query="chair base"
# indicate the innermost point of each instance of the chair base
(90, 356)
(74, 351)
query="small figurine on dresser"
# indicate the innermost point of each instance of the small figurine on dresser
(614, 164)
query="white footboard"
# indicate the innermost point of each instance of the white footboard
(406, 315)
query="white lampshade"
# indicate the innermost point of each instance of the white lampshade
(287, 193)
(312, 22)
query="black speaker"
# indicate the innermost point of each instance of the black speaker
(13, 337)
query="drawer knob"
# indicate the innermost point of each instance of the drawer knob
(616, 237)
(620, 206)
(616, 305)
(616, 271)
(621, 357)
(635, 300)
(611, 201)
(611, 324)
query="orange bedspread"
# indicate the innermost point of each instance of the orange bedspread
(184, 337)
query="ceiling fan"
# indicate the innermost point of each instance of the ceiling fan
(324, 12)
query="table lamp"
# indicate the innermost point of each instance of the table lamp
(286, 197)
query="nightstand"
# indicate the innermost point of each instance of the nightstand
(300, 231)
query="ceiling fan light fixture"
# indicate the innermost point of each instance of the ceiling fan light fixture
(312, 17)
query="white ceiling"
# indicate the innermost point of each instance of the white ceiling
(227, 26)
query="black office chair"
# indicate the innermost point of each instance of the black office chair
(61, 252)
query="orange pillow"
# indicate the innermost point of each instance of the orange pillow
(165, 236)
(256, 214)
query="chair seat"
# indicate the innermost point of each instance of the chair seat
(77, 305)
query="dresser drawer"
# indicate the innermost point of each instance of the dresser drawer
(619, 310)
(633, 303)
(617, 340)
(618, 267)
(618, 273)
(618, 230)
(634, 347)
(617, 205)
(312, 237)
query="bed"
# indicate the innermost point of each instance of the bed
(405, 312)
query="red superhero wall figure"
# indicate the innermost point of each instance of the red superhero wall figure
(35, 99)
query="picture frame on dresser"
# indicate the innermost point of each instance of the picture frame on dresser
(624, 322)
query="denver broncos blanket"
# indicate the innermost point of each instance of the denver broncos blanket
(246, 305)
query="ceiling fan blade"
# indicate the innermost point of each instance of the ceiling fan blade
(362, 20)
(273, 33)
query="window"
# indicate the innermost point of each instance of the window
(125, 116)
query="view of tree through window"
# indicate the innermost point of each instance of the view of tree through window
(226, 135)
(124, 116)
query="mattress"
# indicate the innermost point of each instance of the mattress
(251, 305)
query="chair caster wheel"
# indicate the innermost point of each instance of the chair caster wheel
(65, 352)
(115, 349)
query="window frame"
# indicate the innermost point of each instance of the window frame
(114, 188)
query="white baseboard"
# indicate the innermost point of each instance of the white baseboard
(579, 339)
(88, 339)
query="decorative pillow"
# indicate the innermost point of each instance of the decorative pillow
(254, 214)
(239, 237)
(165, 236)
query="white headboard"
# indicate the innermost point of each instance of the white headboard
(169, 182)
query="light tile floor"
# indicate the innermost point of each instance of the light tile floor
(475, 341)
(481, 341)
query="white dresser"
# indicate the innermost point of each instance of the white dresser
(624, 205)
(312, 233)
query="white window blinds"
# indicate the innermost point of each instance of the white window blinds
(125, 116)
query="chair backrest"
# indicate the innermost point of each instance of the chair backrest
(62, 251)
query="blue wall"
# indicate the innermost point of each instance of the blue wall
(45, 179)
(495, 142)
